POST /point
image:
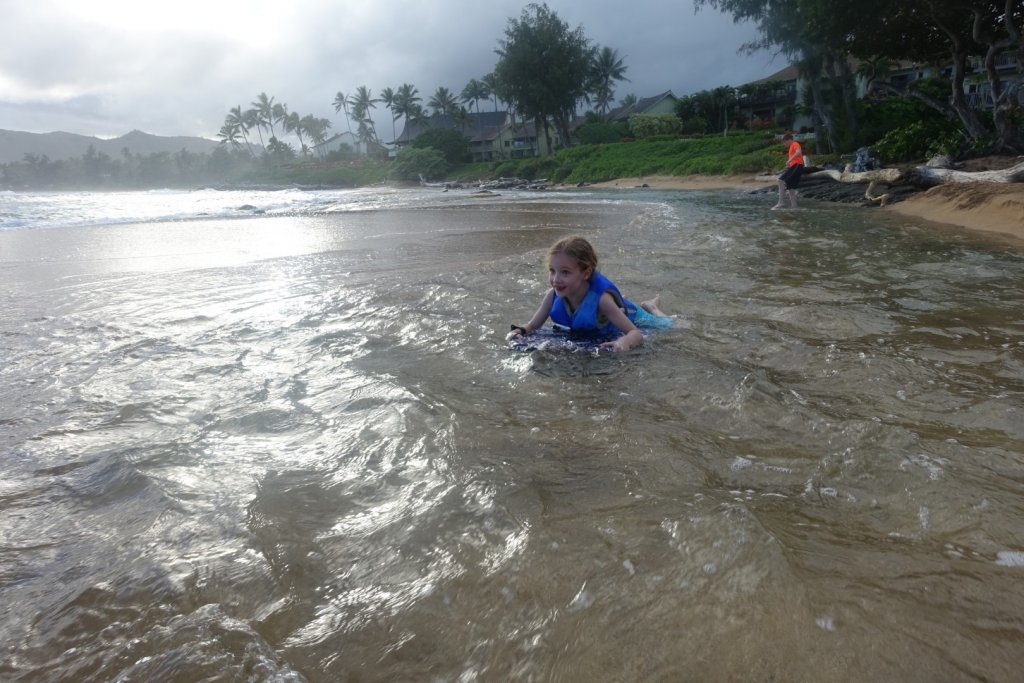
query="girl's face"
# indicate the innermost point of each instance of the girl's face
(567, 278)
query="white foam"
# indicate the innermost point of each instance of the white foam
(1010, 558)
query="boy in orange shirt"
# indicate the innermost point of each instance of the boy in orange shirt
(789, 180)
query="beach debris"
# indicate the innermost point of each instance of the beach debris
(869, 194)
(926, 176)
(495, 184)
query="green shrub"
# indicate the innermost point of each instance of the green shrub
(650, 125)
(921, 140)
(507, 169)
(695, 125)
(451, 143)
(538, 167)
(601, 132)
(411, 163)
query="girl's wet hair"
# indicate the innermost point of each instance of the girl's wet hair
(578, 249)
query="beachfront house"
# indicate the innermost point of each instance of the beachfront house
(773, 99)
(663, 103)
(484, 130)
(346, 143)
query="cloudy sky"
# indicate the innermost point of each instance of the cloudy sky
(105, 67)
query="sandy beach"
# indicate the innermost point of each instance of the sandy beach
(986, 207)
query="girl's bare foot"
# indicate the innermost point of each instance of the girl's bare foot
(652, 306)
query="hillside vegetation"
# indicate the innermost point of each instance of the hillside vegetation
(737, 153)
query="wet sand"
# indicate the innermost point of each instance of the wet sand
(987, 207)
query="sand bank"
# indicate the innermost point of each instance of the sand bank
(989, 207)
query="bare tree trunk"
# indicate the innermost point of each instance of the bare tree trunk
(822, 111)
(1002, 98)
(958, 99)
(848, 92)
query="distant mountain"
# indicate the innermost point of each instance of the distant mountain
(14, 145)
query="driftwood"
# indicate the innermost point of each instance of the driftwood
(882, 175)
(929, 177)
(869, 194)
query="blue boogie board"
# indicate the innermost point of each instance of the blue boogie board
(558, 339)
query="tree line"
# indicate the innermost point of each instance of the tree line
(545, 72)
(826, 38)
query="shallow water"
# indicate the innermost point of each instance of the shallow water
(296, 447)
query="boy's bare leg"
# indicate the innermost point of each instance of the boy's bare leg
(782, 195)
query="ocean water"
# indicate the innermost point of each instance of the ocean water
(279, 436)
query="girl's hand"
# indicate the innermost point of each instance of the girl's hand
(615, 346)
(517, 331)
(630, 340)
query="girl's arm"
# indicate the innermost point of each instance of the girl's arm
(632, 337)
(538, 318)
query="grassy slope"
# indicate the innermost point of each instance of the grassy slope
(737, 153)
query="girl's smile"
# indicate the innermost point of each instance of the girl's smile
(567, 278)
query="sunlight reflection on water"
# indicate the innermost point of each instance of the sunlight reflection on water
(299, 446)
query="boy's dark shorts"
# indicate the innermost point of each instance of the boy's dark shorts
(791, 176)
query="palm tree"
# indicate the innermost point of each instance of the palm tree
(606, 67)
(362, 102)
(238, 120)
(316, 128)
(293, 124)
(628, 101)
(280, 115)
(341, 104)
(388, 96)
(264, 108)
(229, 135)
(406, 100)
(474, 92)
(490, 82)
(462, 117)
(419, 115)
(252, 120)
(443, 101)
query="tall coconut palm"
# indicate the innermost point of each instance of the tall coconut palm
(316, 128)
(362, 102)
(238, 120)
(606, 67)
(443, 101)
(252, 120)
(419, 115)
(462, 118)
(229, 135)
(388, 97)
(293, 124)
(264, 108)
(490, 81)
(474, 92)
(280, 115)
(341, 104)
(406, 100)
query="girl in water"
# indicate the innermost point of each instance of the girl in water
(586, 303)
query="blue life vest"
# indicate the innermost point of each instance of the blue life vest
(586, 319)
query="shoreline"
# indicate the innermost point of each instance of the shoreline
(983, 207)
